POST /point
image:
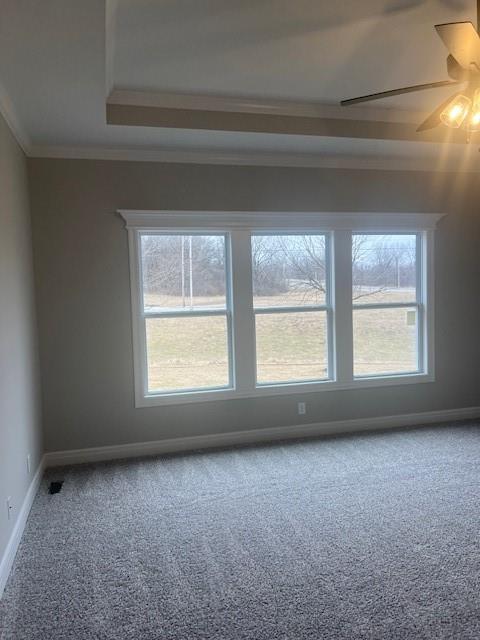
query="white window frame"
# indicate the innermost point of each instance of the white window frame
(200, 312)
(417, 304)
(326, 307)
(238, 227)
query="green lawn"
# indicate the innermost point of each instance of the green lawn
(192, 352)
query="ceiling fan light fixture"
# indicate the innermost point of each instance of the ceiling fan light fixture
(473, 123)
(456, 111)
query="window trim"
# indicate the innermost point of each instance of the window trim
(417, 304)
(237, 226)
(326, 307)
(200, 312)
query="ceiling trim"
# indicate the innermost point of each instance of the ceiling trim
(232, 158)
(264, 106)
(219, 113)
(10, 116)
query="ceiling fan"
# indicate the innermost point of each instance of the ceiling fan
(462, 109)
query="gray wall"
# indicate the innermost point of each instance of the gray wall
(81, 260)
(20, 429)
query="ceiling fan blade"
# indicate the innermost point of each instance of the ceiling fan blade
(455, 70)
(433, 119)
(397, 92)
(462, 41)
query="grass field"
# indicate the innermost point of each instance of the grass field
(192, 352)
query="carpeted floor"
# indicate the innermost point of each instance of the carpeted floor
(367, 536)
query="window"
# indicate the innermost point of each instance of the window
(185, 311)
(291, 296)
(243, 305)
(387, 304)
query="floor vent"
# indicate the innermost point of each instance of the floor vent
(55, 487)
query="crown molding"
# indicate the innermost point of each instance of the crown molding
(209, 112)
(260, 106)
(265, 159)
(358, 220)
(273, 123)
(10, 116)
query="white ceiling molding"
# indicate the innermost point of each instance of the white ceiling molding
(258, 118)
(357, 221)
(9, 114)
(306, 160)
(256, 115)
(237, 104)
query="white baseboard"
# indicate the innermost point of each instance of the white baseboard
(171, 445)
(17, 532)
(75, 456)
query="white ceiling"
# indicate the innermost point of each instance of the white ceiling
(298, 50)
(54, 53)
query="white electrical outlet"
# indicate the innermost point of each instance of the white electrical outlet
(9, 507)
(302, 408)
(29, 464)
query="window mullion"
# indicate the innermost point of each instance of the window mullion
(190, 313)
(386, 305)
(342, 305)
(425, 251)
(242, 309)
(138, 319)
(294, 309)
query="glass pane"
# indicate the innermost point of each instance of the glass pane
(183, 271)
(291, 346)
(187, 353)
(288, 270)
(385, 341)
(384, 268)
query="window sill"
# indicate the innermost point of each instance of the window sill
(217, 395)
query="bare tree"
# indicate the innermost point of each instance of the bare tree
(268, 266)
(376, 267)
(161, 257)
(171, 266)
(305, 257)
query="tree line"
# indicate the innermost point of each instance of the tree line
(195, 265)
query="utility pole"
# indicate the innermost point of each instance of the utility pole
(191, 272)
(183, 271)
